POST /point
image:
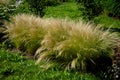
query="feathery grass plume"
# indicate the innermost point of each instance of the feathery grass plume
(70, 44)
(57, 31)
(26, 32)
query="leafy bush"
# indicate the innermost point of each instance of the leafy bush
(93, 8)
(111, 7)
(90, 8)
(37, 7)
(23, 7)
(116, 9)
(6, 10)
(70, 44)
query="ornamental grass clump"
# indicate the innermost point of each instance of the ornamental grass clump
(26, 32)
(64, 42)
(57, 31)
(4, 1)
(70, 44)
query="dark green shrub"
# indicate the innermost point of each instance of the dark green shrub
(52, 2)
(93, 8)
(37, 7)
(6, 10)
(90, 8)
(23, 7)
(116, 9)
(65, 0)
(110, 7)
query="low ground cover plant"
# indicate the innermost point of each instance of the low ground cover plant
(14, 66)
(66, 9)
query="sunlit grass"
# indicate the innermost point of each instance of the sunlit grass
(4, 1)
(26, 32)
(61, 42)
(69, 44)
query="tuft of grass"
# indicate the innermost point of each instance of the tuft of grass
(26, 32)
(70, 44)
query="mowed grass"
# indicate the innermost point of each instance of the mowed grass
(65, 10)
